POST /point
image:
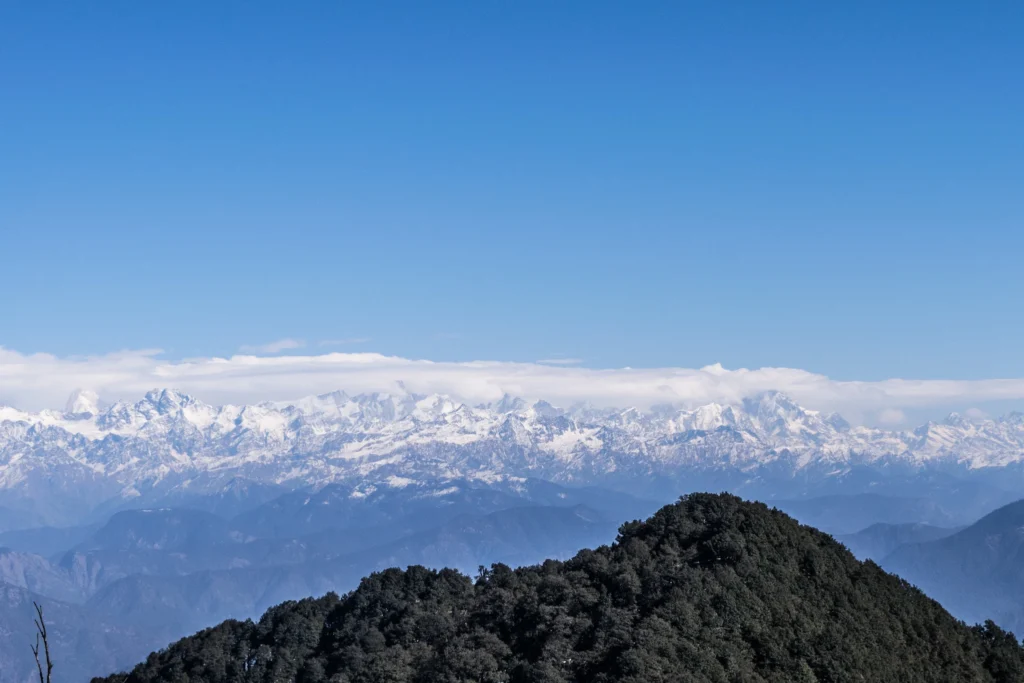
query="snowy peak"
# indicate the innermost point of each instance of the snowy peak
(164, 402)
(82, 402)
(434, 406)
(384, 407)
(324, 403)
(156, 404)
(771, 407)
(836, 422)
(710, 417)
(544, 409)
(507, 404)
(779, 416)
(956, 420)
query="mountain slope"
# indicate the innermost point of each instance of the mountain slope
(515, 536)
(35, 574)
(46, 541)
(418, 505)
(13, 519)
(174, 605)
(847, 514)
(880, 540)
(709, 589)
(79, 642)
(977, 572)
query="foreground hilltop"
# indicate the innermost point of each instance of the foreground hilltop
(711, 588)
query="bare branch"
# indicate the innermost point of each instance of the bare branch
(42, 636)
(35, 653)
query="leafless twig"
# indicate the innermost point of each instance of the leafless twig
(41, 636)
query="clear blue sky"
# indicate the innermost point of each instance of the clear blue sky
(836, 186)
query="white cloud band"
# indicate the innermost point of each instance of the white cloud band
(35, 381)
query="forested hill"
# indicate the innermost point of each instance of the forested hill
(709, 589)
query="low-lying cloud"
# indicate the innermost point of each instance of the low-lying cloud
(36, 381)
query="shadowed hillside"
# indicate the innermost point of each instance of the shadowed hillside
(977, 572)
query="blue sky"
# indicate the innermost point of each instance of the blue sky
(829, 186)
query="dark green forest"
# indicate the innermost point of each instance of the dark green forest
(711, 588)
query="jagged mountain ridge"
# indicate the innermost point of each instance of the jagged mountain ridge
(170, 443)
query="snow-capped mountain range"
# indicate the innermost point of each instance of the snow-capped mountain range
(171, 443)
